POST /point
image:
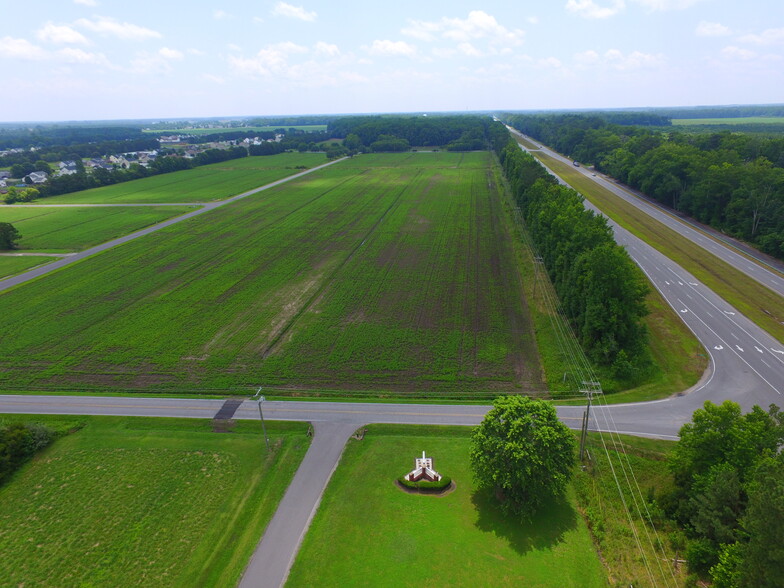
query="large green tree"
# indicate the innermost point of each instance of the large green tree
(9, 235)
(523, 453)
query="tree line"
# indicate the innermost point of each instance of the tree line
(733, 182)
(601, 290)
(400, 133)
(18, 443)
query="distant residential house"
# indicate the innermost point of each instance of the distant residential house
(94, 163)
(37, 177)
(4, 175)
(66, 168)
(119, 161)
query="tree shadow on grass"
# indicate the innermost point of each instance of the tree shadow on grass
(544, 530)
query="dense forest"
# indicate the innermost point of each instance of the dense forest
(733, 182)
(601, 289)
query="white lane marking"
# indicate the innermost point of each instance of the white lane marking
(758, 349)
(718, 347)
(680, 283)
(709, 314)
(684, 310)
(693, 284)
(739, 348)
(688, 296)
(765, 362)
(777, 351)
(729, 312)
(667, 282)
(736, 337)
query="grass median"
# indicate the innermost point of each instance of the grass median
(760, 304)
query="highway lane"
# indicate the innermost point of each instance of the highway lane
(60, 263)
(747, 363)
(758, 269)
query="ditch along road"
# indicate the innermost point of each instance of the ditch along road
(70, 258)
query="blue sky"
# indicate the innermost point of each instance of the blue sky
(103, 59)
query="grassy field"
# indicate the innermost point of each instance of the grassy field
(367, 532)
(10, 266)
(634, 539)
(741, 120)
(144, 502)
(758, 303)
(382, 274)
(216, 181)
(60, 230)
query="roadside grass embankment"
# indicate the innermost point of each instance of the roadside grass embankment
(129, 501)
(63, 230)
(216, 181)
(760, 304)
(12, 265)
(369, 532)
(617, 493)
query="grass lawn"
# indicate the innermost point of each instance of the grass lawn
(10, 266)
(61, 230)
(758, 303)
(367, 532)
(143, 502)
(206, 183)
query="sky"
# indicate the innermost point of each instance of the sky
(105, 59)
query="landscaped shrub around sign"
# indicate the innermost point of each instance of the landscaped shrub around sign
(441, 484)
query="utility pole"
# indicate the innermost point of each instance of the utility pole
(589, 389)
(260, 399)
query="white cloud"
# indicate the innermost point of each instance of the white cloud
(711, 29)
(197, 52)
(478, 25)
(220, 14)
(213, 79)
(534, 20)
(273, 59)
(298, 12)
(589, 9)
(588, 57)
(633, 60)
(122, 30)
(86, 2)
(20, 49)
(59, 34)
(74, 55)
(549, 62)
(173, 54)
(327, 49)
(767, 37)
(469, 50)
(733, 52)
(391, 48)
(234, 47)
(666, 5)
(146, 63)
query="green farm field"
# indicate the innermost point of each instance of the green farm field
(382, 274)
(144, 502)
(58, 230)
(12, 265)
(368, 532)
(216, 181)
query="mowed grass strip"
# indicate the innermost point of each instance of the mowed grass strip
(60, 230)
(144, 502)
(216, 181)
(758, 303)
(391, 278)
(367, 532)
(12, 265)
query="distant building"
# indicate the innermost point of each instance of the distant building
(37, 177)
(423, 470)
(4, 175)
